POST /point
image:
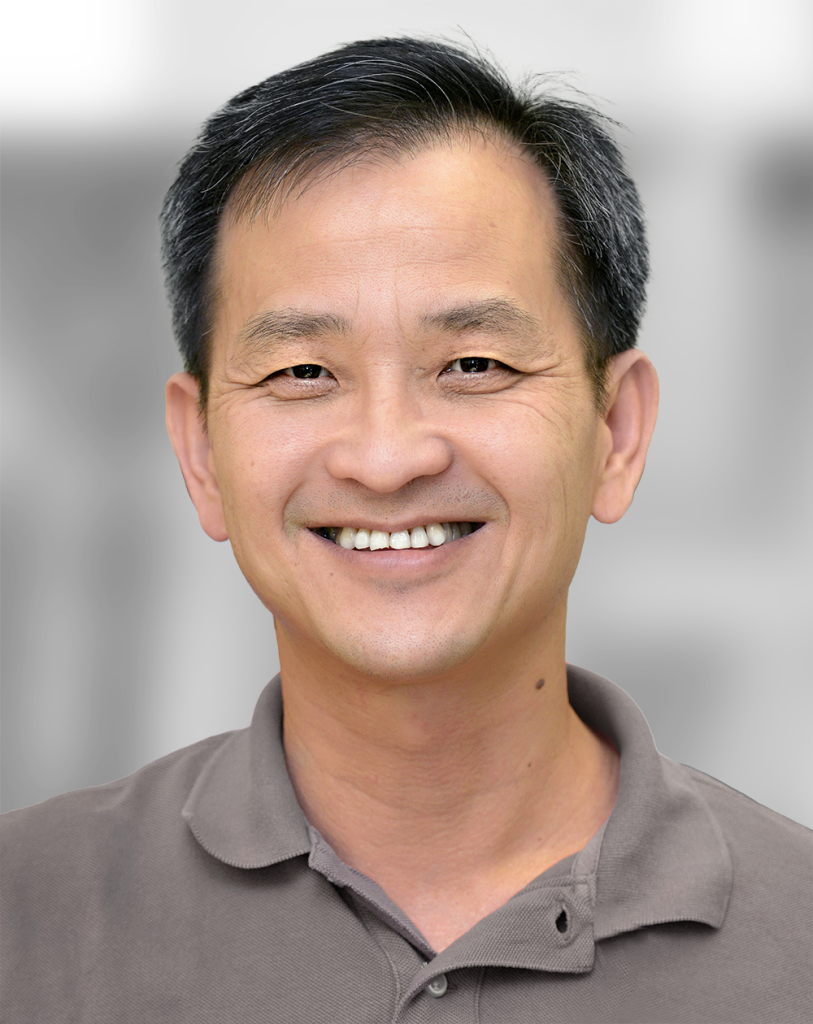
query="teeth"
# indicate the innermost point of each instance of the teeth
(347, 537)
(418, 538)
(433, 534)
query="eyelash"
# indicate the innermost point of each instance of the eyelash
(289, 371)
(474, 359)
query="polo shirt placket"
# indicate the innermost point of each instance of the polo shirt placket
(549, 921)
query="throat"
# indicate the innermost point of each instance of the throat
(450, 821)
(443, 915)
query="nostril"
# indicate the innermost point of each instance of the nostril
(561, 921)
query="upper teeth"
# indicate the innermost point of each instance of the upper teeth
(418, 537)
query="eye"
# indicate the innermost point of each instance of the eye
(473, 364)
(300, 381)
(305, 371)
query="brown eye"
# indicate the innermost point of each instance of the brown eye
(306, 371)
(473, 364)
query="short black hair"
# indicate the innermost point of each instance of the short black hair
(394, 96)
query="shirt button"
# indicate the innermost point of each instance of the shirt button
(437, 986)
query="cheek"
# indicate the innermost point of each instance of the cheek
(258, 466)
(539, 460)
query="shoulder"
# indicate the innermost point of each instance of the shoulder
(757, 835)
(75, 831)
(771, 902)
(93, 885)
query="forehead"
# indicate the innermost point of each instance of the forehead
(462, 220)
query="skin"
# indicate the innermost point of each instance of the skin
(417, 737)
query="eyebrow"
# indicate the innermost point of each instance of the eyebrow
(282, 324)
(263, 332)
(485, 316)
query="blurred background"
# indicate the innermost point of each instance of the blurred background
(128, 633)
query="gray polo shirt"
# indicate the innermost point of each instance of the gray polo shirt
(196, 891)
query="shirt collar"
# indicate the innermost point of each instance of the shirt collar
(663, 856)
(242, 808)
(660, 857)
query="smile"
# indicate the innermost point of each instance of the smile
(431, 535)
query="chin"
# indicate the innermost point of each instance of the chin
(403, 658)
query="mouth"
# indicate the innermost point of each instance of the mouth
(431, 535)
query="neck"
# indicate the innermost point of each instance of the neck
(477, 777)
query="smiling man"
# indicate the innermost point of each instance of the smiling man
(407, 297)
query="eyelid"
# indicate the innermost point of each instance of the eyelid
(498, 365)
(325, 374)
(287, 371)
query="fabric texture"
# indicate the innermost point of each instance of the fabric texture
(195, 890)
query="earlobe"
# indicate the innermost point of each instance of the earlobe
(628, 427)
(190, 440)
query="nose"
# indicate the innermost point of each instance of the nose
(387, 442)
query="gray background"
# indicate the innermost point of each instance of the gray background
(127, 633)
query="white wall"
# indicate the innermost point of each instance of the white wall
(127, 633)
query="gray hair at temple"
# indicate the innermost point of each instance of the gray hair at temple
(392, 96)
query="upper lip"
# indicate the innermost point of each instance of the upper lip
(397, 526)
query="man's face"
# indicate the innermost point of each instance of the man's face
(439, 379)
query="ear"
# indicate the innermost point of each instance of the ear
(628, 425)
(190, 439)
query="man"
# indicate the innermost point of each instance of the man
(407, 296)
